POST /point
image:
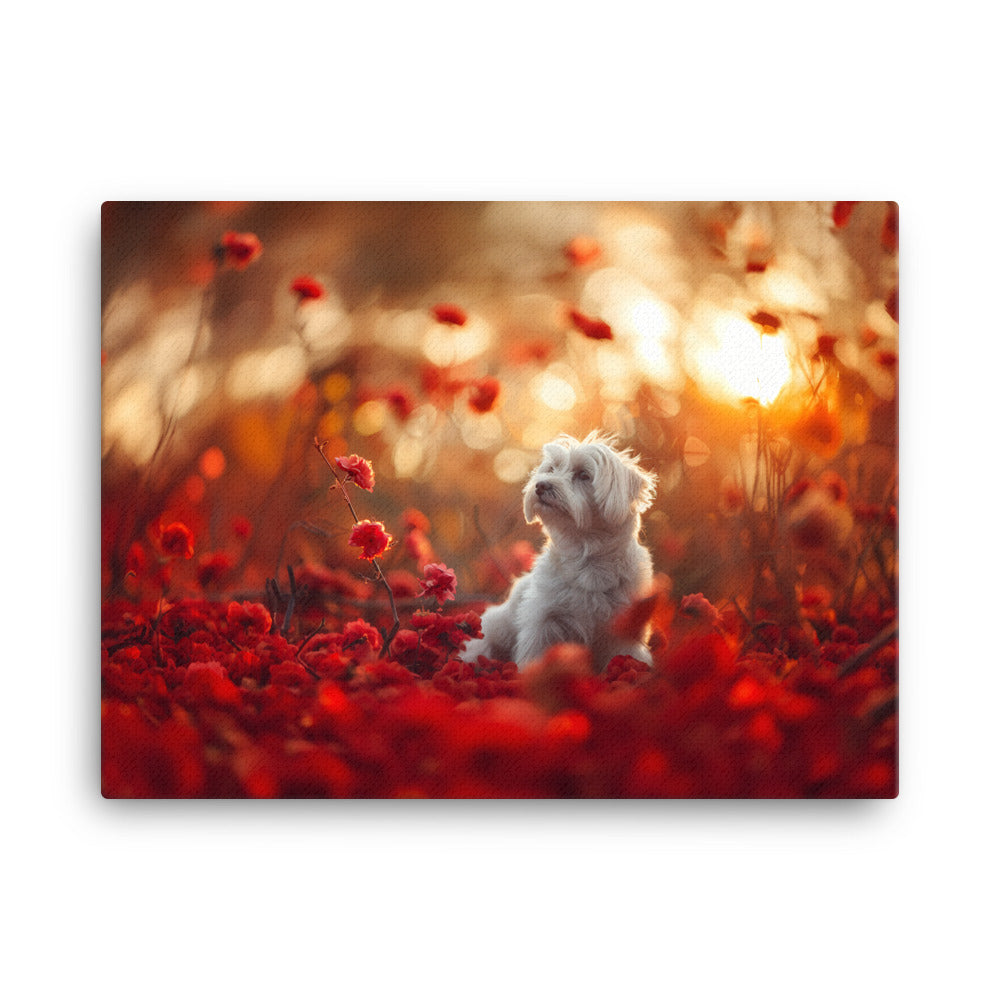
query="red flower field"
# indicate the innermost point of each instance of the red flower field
(210, 699)
(299, 539)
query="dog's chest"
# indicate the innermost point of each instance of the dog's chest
(593, 585)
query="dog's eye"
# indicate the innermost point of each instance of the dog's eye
(582, 475)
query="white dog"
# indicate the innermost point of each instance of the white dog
(588, 497)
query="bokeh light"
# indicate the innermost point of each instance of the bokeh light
(732, 360)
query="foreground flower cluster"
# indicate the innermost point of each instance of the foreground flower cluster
(208, 699)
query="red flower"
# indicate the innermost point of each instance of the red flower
(596, 329)
(768, 322)
(306, 287)
(448, 312)
(358, 470)
(213, 567)
(892, 304)
(633, 623)
(819, 430)
(484, 394)
(210, 682)
(360, 636)
(177, 541)
(834, 485)
(248, 615)
(418, 547)
(414, 518)
(890, 228)
(371, 537)
(818, 517)
(241, 527)
(439, 582)
(698, 608)
(797, 489)
(842, 212)
(400, 401)
(239, 250)
(582, 250)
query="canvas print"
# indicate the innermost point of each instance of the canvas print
(499, 500)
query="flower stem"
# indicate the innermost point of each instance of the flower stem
(890, 632)
(170, 423)
(387, 638)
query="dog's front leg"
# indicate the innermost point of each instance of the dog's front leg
(499, 633)
(539, 635)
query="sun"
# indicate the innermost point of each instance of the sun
(731, 359)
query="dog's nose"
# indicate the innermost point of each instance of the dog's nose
(543, 488)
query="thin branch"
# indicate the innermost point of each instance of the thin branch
(316, 631)
(884, 637)
(302, 645)
(286, 624)
(166, 435)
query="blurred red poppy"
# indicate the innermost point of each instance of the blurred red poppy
(484, 394)
(177, 541)
(306, 287)
(448, 312)
(239, 250)
(768, 322)
(582, 250)
(596, 329)
(890, 228)
(842, 212)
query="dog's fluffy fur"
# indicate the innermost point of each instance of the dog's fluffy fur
(588, 497)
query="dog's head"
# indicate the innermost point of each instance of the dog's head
(587, 485)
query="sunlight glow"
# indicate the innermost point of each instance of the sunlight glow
(644, 326)
(733, 361)
(124, 312)
(648, 318)
(644, 249)
(782, 289)
(445, 345)
(555, 392)
(370, 417)
(326, 324)
(273, 372)
(132, 422)
(187, 389)
(617, 372)
(407, 456)
(481, 431)
(513, 465)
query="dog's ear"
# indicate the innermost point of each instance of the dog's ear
(622, 489)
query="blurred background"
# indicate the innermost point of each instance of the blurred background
(746, 351)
